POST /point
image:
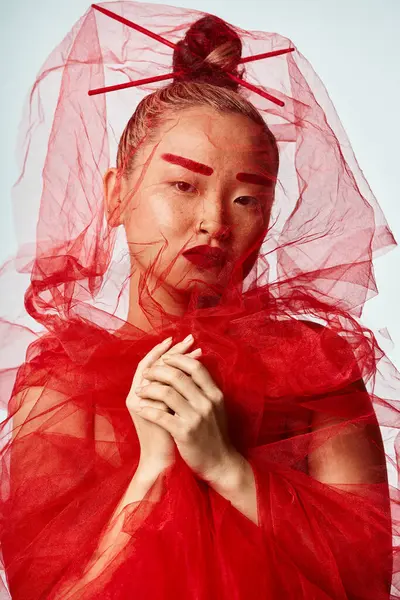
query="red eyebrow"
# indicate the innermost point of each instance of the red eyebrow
(187, 163)
(257, 179)
(197, 167)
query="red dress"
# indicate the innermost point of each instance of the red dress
(283, 348)
(314, 540)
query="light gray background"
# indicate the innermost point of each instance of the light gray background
(352, 45)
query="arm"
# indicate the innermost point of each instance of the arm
(344, 523)
(45, 411)
(113, 539)
(353, 455)
(353, 458)
(236, 483)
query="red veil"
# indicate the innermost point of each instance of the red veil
(284, 344)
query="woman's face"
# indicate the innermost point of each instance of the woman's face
(207, 180)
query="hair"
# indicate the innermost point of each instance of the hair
(209, 49)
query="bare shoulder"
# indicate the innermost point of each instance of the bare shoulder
(48, 409)
(354, 452)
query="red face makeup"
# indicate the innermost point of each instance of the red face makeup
(187, 163)
(202, 169)
(219, 208)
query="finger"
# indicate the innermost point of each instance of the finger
(170, 396)
(146, 362)
(155, 353)
(160, 405)
(183, 384)
(181, 347)
(194, 353)
(153, 403)
(167, 421)
(199, 374)
(161, 348)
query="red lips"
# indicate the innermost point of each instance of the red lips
(205, 256)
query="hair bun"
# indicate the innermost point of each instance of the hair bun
(209, 49)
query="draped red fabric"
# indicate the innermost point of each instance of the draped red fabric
(280, 329)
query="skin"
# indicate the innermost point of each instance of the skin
(208, 209)
(180, 382)
(178, 208)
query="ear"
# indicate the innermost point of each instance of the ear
(112, 196)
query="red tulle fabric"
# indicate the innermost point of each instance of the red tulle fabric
(286, 345)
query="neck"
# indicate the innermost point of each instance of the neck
(155, 306)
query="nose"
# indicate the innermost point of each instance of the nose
(213, 218)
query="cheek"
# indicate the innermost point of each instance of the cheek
(154, 217)
(169, 216)
(251, 227)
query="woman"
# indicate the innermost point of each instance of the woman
(245, 461)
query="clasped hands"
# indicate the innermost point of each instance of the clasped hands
(197, 421)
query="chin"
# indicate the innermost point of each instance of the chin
(195, 279)
(211, 281)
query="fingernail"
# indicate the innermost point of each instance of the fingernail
(167, 340)
(189, 338)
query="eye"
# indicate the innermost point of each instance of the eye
(247, 200)
(184, 186)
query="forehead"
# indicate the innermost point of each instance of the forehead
(204, 134)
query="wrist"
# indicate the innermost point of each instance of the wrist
(148, 470)
(233, 474)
